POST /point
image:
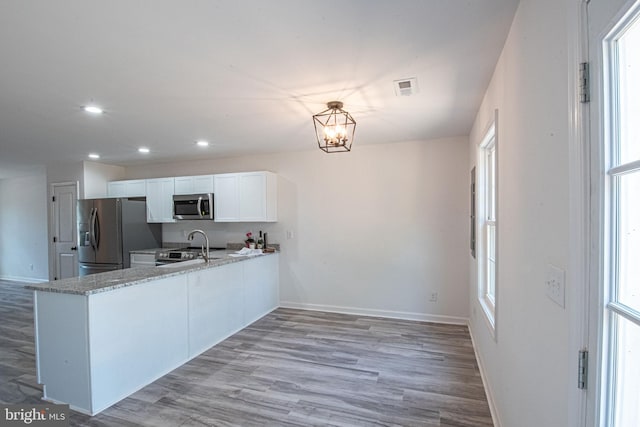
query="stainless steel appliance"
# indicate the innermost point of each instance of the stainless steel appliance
(170, 256)
(177, 255)
(193, 206)
(108, 229)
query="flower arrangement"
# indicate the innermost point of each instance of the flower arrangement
(249, 239)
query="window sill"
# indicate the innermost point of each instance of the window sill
(488, 310)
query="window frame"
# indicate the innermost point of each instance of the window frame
(487, 219)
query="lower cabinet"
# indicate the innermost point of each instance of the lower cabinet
(260, 287)
(215, 306)
(94, 350)
(225, 299)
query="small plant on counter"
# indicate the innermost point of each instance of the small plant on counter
(249, 239)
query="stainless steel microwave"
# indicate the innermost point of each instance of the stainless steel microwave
(193, 206)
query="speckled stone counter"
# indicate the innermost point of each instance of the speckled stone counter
(104, 282)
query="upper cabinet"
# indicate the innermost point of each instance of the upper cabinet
(194, 184)
(127, 188)
(238, 197)
(246, 197)
(160, 200)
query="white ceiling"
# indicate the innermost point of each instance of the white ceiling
(245, 75)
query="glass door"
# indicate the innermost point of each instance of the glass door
(614, 43)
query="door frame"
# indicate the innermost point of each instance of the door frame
(52, 225)
(579, 210)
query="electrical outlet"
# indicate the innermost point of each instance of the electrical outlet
(554, 284)
(289, 234)
(434, 297)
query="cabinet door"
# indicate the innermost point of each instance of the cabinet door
(116, 189)
(160, 200)
(226, 198)
(136, 188)
(252, 197)
(260, 286)
(184, 185)
(127, 188)
(203, 184)
(215, 306)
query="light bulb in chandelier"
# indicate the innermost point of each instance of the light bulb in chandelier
(335, 135)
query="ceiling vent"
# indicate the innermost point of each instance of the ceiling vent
(406, 87)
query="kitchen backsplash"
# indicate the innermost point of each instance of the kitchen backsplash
(219, 234)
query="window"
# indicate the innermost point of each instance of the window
(621, 338)
(487, 201)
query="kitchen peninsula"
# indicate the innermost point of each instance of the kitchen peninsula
(102, 337)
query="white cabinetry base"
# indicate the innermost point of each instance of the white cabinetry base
(94, 350)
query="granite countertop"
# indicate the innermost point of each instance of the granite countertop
(108, 281)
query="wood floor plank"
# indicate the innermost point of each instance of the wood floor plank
(290, 368)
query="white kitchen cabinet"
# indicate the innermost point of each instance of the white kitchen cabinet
(194, 184)
(226, 197)
(142, 260)
(260, 287)
(215, 306)
(127, 188)
(160, 200)
(143, 331)
(246, 197)
(138, 332)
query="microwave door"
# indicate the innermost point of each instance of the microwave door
(184, 209)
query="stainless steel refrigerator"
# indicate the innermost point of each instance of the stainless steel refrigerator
(108, 229)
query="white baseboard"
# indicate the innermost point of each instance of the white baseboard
(23, 279)
(487, 388)
(435, 318)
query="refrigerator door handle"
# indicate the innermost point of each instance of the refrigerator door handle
(96, 229)
(92, 228)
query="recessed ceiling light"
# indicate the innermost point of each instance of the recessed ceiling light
(94, 156)
(93, 109)
(202, 143)
(143, 150)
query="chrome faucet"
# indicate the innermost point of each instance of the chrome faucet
(205, 255)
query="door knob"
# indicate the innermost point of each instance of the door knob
(74, 248)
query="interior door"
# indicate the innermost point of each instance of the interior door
(613, 394)
(64, 201)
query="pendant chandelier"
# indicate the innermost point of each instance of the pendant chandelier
(334, 128)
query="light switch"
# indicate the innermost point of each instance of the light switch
(554, 283)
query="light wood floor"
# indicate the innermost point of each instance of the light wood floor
(291, 368)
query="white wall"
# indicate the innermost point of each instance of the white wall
(375, 231)
(96, 175)
(23, 228)
(526, 365)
